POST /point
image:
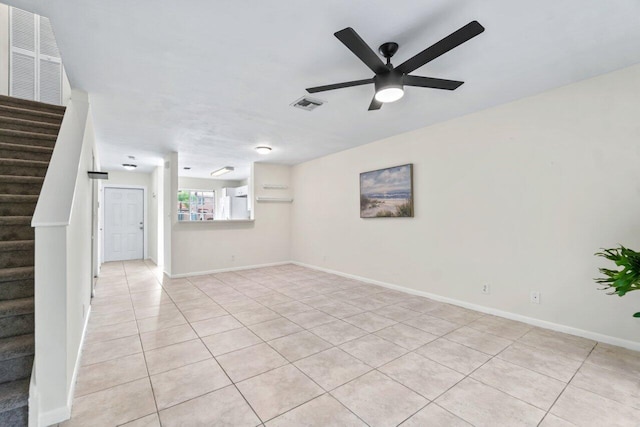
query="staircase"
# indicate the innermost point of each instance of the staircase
(28, 132)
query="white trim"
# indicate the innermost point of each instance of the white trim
(145, 242)
(224, 270)
(607, 339)
(61, 414)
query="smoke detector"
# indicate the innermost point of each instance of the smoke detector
(307, 103)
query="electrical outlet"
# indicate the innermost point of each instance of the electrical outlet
(535, 297)
(486, 289)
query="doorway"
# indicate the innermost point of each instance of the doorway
(123, 223)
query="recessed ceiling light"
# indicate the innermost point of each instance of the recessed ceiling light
(263, 149)
(222, 171)
(129, 166)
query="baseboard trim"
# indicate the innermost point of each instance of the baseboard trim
(224, 270)
(607, 339)
(59, 415)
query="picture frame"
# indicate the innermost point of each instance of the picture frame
(387, 193)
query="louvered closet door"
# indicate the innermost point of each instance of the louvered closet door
(23, 55)
(50, 71)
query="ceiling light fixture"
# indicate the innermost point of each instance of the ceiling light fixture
(129, 166)
(388, 87)
(263, 149)
(222, 171)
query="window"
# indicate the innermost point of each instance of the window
(196, 205)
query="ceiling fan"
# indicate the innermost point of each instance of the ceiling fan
(389, 81)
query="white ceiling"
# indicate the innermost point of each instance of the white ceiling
(214, 79)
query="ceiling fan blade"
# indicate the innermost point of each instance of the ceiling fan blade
(355, 44)
(452, 41)
(339, 85)
(431, 82)
(375, 104)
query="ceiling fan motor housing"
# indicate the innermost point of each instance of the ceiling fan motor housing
(388, 80)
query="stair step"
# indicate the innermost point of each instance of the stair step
(14, 347)
(13, 395)
(33, 115)
(27, 138)
(28, 126)
(16, 307)
(16, 253)
(19, 324)
(11, 184)
(25, 152)
(31, 105)
(19, 273)
(16, 228)
(16, 369)
(20, 167)
(17, 204)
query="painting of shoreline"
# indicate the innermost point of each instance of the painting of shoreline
(387, 192)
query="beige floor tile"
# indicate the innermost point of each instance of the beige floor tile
(455, 314)
(110, 332)
(273, 299)
(482, 405)
(543, 361)
(289, 308)
(551, 420)
(216, 325)
(566, 345)
(107, 350)
(373, 350)
(618, 358)
(155, 311)
(310, 319)
(104, 319)
(534, 388)
(176, 355)
(185, 383)
(332, 368)
(149, 421)
(113, 406)
(299, 345)
(322, 411)
(370, 322)
(477, 340)
(431, 324)
(340, 309)
(224, 407)
(613, 384)
(422, 375)
(162, 338)
(586, 409)
(397, 313)
(434, 416)
(99, 376)
(195, 314)
(455, 356)
(419, 304)
(250, 361)
(318, 301)
(501, 327)
(276, 328)
(406, 336)
(259, 315)
(277, 391)
(378, 400)
(338, 332)
(226, 342)
(161, 322)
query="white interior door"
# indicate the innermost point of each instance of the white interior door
(124, 224)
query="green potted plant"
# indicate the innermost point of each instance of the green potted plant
(622, 280)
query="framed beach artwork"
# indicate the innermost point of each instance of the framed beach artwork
(387, 192)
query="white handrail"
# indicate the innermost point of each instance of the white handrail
(56, 197)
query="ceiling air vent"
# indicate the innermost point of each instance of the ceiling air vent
(307, 103)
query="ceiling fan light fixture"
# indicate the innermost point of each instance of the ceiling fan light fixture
(389, 94)
(263, 149)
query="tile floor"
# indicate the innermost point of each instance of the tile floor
(290, 346)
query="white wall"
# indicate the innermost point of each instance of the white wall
(207, 246)
(149, 183)
(519, 196)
